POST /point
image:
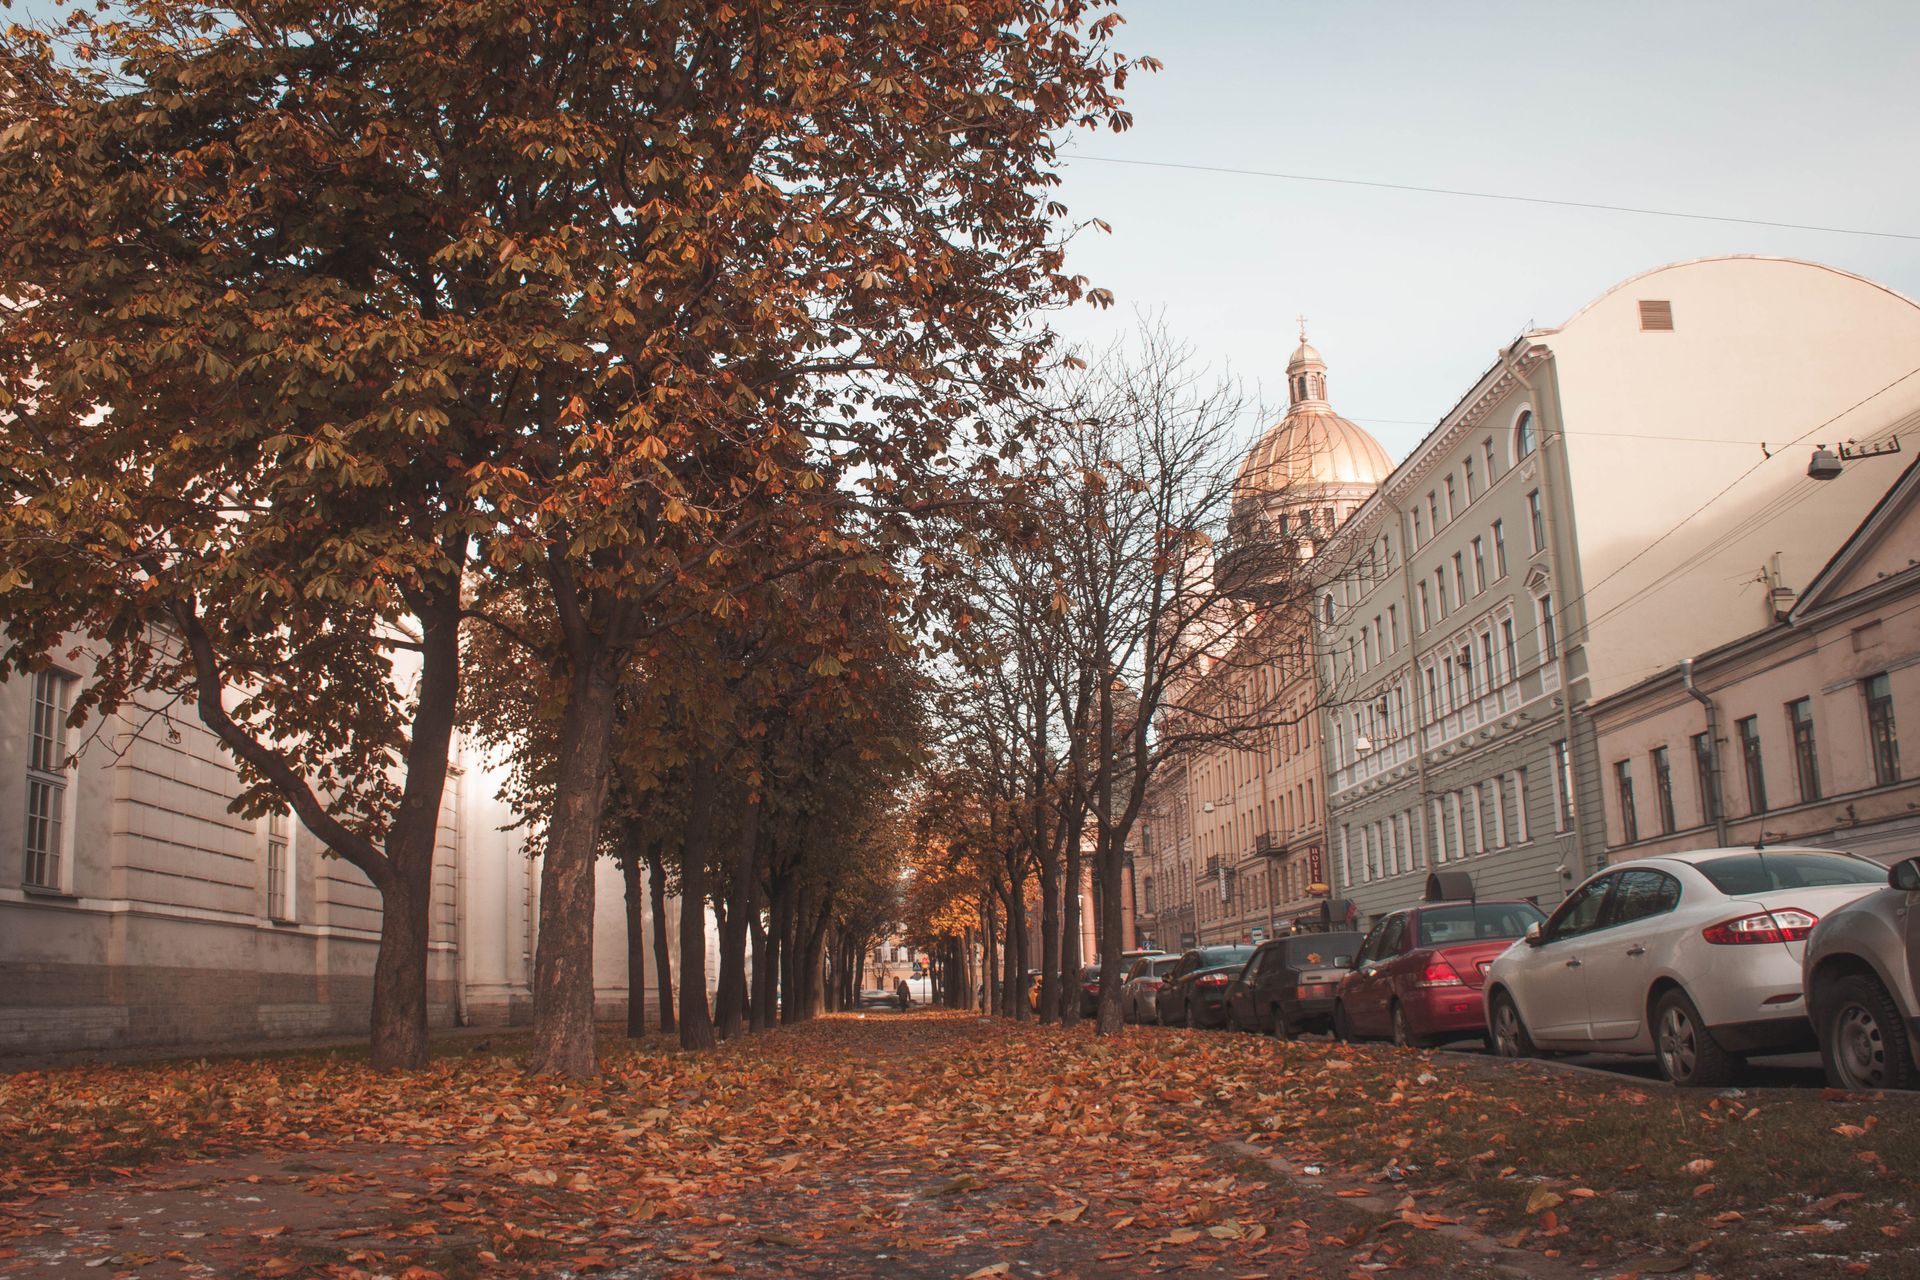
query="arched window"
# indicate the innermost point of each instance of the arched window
(1326, 608)
(1523, 434)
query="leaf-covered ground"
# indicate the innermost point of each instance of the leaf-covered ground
(932, 1145)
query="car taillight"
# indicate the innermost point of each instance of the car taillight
(1439, 974)
(1217, 980)
(1093, 988)
(1309, 990)
(1787, 924)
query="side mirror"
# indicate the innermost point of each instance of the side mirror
(1905, 875)
(1532, 935)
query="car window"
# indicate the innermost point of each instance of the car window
(1761, 872)
(1642, 894)
(1371, 947)
(1219, 957)
(1581, 911)
(1135, 970)
(1252, 970)
(1161, 968)
(1393, 938)
(1474, 922)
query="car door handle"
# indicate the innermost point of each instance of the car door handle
(1574, 963)
(1636, 950)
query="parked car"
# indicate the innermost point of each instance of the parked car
(1194, 994)
(1860, 976)
(1288, 984)
(1030, 983)
(1142, 981)
(875, 998)
(1089, 989)
(1418, 978)
(1693, 958)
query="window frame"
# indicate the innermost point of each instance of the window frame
(1806, 759)
(1623, 801)
(46, 863)
(1883, 736)
(1753, 763)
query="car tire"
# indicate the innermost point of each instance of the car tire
(1688, 1054)
(1279, 1027)
(1342, 1027)
(1193, 1023)
(1506, 1033)
(1403, 1036)
(1863, 1040)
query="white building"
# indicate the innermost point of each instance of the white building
(136, 910)
(1609, 497)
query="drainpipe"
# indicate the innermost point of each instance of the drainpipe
(1714, 791)
(1566, 585)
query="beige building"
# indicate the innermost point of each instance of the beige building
(1609, 497)
(1790, 734)
(136, 910)
(1254, 855)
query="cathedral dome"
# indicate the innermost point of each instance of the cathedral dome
(1312, 445)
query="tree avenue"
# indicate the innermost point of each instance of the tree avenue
(334, 328)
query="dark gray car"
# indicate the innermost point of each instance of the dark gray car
(1862, 975)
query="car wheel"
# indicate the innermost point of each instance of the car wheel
(1280, 1027)
(1193, 1023)
(1342, 1028)
(1509, 1036)
(1689, 1055)
(1863, 1042)
(1403, 1036)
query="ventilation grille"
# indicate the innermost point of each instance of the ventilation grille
(1655, 314)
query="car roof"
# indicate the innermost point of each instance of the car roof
(1693, 857)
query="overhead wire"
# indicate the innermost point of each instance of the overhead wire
(1460, 193)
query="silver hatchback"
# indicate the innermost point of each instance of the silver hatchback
(1862, 977)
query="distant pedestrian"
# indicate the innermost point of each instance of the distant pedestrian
(902, 994)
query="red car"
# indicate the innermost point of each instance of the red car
(1417, 978)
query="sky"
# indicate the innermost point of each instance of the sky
(1789, 113)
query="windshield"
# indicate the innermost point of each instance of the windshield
(1760, 872)
(1215, 957)
(1322, 951)
(1088, 972)
(1161, 968)
(1475, 922)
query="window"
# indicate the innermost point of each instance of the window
(1326, 609)
(1880, 736)
(1663, 789)
(1466, 467)
(1549, 633)
(1499, 550)
(1440, 589)
(1641, 895)
(1426, 611)
(1459, 578)
(1749, 730)
(279, 869)
(1433, 511)
(47, 780)
(1703, 777)
(1433, 700)
(1488, 676)
(1451, 508)
(1536, 521)
(1393, 626)
(1580, 912)
(1623, 789)
(1563, 794)
(1513, 653)
(1419, 530)
(1523, 435)
(1806, 768)
(1656, 315)
(1437, 823)
(1520, 805)
(1486, 451)
(1479, 567)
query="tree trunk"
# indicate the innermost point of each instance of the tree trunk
(733, 939)
(760, 1009)
(636, 940)
(400, 973)
(563, 962)
(1070, 932)
(696, 1023)
(662, 956)
(1049, 940)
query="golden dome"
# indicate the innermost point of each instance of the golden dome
(1312, 445)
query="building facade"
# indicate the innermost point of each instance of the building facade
(1792, 734)
(1603, 501)
(137, 910)
(1253, 854)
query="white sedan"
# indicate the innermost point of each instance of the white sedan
(1691, 957)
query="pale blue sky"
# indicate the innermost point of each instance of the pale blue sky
(1796, 113)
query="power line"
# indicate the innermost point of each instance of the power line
(1494, 195)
